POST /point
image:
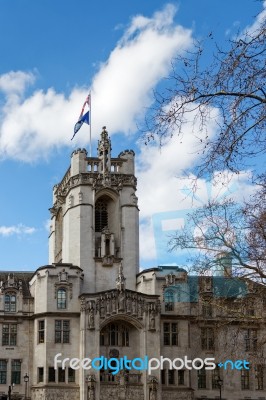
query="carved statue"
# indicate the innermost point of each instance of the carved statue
(128, 304)
(134, 305)
(91, 319)
(153, 394)
(113, 303)
(121, 301)
(102, 307)
(91, 393)
(152, 319)
(108, 305)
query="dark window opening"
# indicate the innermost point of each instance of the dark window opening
(61, 375)
(51, 374)
(40, 374)
(3, 372)
(41, 331)
(71, 375)
(101, 215)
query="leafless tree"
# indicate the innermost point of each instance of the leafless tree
(233, 84)
(224, 234)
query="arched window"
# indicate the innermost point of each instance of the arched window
(101, 215)
(10, 302)
(61, 298)
(115, 335)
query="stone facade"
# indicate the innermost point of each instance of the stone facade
(92, 301)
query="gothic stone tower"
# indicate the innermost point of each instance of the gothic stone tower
(95, 217)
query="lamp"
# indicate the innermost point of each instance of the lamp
(220, 384)
(26, 380)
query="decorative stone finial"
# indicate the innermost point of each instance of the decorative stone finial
(104, 152)
(120, 280)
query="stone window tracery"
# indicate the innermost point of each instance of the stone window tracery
(101, 215)
(61, 298)
(115, 335)
(10, 302)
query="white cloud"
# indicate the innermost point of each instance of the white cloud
(122, 87)
(163, 189)
(19, 229)
(147, 245)
(33, 126)
(16, 82)
(258, 21)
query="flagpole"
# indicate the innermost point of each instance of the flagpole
(90, 124)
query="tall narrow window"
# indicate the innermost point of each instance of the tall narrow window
(260, 375)
(216, 377)
(40, 374)
(61, 299)
(113, 335)
(10, 302)
(9, 335)
(250, 337)
(41, 331)
(169, 300)
(245, 379)
(51, 374)
(170, 333)
(16, 371)
(202, 378)
(163, 373)
(62, 331)
(171, 376)
(61, 375)
(101, 215)
(58, 236)
(71, 375)
(181, 377)
(3, 372)
(207, 338)
(124, 336)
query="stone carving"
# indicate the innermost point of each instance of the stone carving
(80, 197)
(102, 307)
(140, 308)
(111, 392)
(120, 280)
(71, 201)
(128, 304)
(114, 310)
(134, 305)
(55, 394)
(82, 304)
(108, 305)
(63, 276)
(97, 180)
(121, 301)
(91, 320)
(153, 384)
(91, 387)
(134, 199)
(170, 279)
(152, 313)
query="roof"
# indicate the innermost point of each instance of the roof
(24, 277)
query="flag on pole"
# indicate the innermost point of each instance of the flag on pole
(83, 117)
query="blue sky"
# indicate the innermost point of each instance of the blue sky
(52, 54)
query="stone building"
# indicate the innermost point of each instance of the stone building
(92, 301)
